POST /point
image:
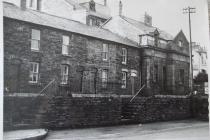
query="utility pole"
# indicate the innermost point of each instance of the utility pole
(189, 10)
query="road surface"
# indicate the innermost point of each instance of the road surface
(176, 130)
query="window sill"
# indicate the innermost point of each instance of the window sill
(38, 51)
(34, 84)
(64, 85)
(181, 84)
(124, 63)
(66, 55)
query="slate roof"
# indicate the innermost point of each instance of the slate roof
(14, 12)
(148, 29)
(97, 14)
(101, 10)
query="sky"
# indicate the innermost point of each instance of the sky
(167, 15)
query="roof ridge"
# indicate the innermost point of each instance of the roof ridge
(66, 24)
(137, 21)
(160, 30)
(41, 12)
(9, 3)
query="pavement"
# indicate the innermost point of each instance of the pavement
(30, 134)
(175, 130)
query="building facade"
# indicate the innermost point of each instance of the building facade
(41, 49)
(199, 59)
(81, 58)
(165, 59)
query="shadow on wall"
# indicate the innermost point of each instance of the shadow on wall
(200, 106)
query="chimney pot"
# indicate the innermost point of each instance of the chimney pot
(23, 4)
(120, 8)
(147, 19)
(105, 2)
(39, 5)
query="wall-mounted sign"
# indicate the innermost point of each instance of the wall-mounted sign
(206, 88)
(133, 73)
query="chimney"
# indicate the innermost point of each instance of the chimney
(92, 5)
(23, 4)
(105, 2)
(147, 19)
(39, 5)
(120, 8)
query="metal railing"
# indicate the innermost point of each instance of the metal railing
(50, 83)
(137, 93)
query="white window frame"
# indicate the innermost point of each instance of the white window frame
(124, 56)
(140, 40)
(65, 45)
(35, 40)
(180, 43)
(104, 78)
(64, 74)
(105, 52)
(124, 79)
(203, 59)
(34, 72)
(150, 40)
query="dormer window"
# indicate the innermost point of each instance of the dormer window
(180, 43)
(146, 40)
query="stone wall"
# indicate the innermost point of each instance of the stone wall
(24, 111)
(63, 111)
(200, 107)
(67, 112)
(156, 108)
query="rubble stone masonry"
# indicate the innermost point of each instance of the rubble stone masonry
(66, 112)
(84, 61)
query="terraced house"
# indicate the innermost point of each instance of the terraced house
(41, 48)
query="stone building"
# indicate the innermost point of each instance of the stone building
(41, 48)
(83, 59)
(199, 59)
(165, 59)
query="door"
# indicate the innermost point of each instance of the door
(88, 85)
(11, 73)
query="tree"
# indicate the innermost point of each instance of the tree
(201, 77)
